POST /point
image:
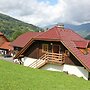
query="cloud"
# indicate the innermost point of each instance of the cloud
(39, 12)
(77, 11)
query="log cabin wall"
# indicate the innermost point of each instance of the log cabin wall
(40, 47)
(35, 51)
(71, 60)
(32, 51)
(50, 47)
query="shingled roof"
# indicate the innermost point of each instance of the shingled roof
(69, 39)
(7, 46)
(81, 44)
(23, 39)
(52, 35)
(4, 43)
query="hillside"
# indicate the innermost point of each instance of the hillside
(83, 29)
(88, 37)
(17, 77)
(12, 27)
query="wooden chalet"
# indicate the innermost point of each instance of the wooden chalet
(57, 49)
(5, 47)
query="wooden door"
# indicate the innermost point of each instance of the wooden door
(56, 49)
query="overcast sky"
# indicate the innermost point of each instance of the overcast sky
(46, 12)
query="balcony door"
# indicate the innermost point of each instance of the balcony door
(56, 49)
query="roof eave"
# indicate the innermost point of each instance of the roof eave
(45, 39)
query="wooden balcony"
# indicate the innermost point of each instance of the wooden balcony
(55, 58)
(48, 58)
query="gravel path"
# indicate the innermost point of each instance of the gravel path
(7, 59)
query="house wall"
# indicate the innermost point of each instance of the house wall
(27, 61)
(2, 39)
(70, 69)
(32, 51)
(40, 47)
(71, 60)
(3, 52)
(35, 51)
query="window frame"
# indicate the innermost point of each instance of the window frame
(44, 46)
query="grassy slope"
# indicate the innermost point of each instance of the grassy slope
(16, 77)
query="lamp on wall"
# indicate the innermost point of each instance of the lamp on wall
(51, 43)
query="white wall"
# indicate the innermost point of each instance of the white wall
(28, 61)
(73, 70)
(76, 70)
(53, 67)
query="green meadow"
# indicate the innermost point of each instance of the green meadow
(17, 77)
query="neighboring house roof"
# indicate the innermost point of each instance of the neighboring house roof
(68, 38)
(1, 33)
(4, 42)
(6, 45)
(22, 40)
(4, 38)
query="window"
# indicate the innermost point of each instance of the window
(44, 47)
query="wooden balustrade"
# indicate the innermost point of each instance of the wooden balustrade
(48, 57)
(55, 57)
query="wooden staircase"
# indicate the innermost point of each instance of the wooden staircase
(48, 58)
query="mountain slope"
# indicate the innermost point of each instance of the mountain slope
(83, 29)
(88, 37)
(12, 27)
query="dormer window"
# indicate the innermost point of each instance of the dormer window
(82, 46)
(84, 51)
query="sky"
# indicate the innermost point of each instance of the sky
(48, 12)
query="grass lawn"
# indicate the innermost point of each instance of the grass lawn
(16, 77)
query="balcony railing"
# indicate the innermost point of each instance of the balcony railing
(48, 58)
(55, 58)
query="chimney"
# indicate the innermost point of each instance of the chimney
(60, 25)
